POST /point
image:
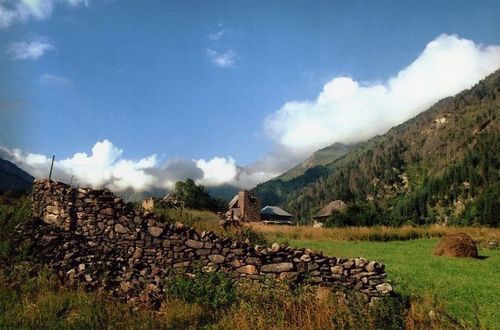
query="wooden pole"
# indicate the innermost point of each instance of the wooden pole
(51, 167)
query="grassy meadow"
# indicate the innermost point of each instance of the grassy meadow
(467, 289)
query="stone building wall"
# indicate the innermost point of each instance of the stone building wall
(134, 250)
(249, 206)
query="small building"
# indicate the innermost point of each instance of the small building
(275, 215)
(244, 206)
(329, 209)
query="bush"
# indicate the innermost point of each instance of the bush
(14, 209)
(211, 289)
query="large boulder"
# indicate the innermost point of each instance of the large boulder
(456, 245)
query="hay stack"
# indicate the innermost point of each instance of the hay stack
(456, 245)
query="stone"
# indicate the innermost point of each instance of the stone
(54, 209)
(202, 252)
(312, 266)
(360, 262)
(137, 253)
(52, 219)
(371, 266)
(277, 267)
(235, 263)
(384, 288)
(155, 231)
(248, 269)
(275, 247)
(305, 258)
(253, 261)
(217, 258)
(337, 270)
(348, 264)
(194, 244)
(108, 211)
(120, 229)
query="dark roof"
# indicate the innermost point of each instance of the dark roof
(335, 206)
(275, 210)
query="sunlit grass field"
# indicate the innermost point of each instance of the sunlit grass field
(468, 288)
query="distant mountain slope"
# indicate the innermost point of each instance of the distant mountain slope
(440, 166)
(13, 178)
(274, 191)
(321, 157)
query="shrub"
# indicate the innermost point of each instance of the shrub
(211, 289)
(14, 209)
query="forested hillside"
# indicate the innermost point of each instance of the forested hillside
(441, 166)
(12, 178)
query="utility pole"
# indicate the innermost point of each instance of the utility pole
(51, 167)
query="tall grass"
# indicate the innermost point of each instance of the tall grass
(199, 220)
(29, 301)
(378, 233)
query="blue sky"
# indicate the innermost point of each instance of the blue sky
(194, 80)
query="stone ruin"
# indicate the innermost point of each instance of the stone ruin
(244, 206)
(90, 238)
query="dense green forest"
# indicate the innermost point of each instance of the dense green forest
(440, 167)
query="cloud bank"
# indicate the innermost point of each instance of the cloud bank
(15, 11)
(105, 166)
(348, 111)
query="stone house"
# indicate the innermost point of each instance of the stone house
(244, 206)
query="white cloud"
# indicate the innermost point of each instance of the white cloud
(224, 59)
(349, 111)
(106, 167)
(55, 81)
(29, 50)
(217, 171)
(13, 11)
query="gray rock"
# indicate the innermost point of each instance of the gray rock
(194, 244)
(121, 229)
(155, 231)
(248, 269)
(108, 211)
(217, 258)
(277, 267)
(384, 288)
(337, 269)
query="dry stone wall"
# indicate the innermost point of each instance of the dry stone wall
(91, 237)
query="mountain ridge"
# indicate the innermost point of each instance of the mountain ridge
(13, 178)
(391, 169)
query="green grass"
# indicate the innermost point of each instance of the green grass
(469, 288)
